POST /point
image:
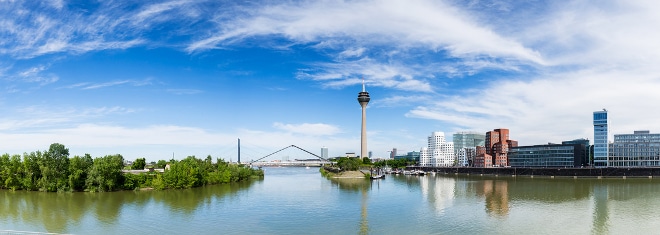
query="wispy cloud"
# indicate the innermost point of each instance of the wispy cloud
(31, 30)
(429, 24)
(315, 129)
(31, 117)
(184, 91)
(92, 86)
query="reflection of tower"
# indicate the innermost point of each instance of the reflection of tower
(600, 211)
(363, 98)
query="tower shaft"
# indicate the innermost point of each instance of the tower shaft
(363, 137)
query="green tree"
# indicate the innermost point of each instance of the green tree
(161, 164)
(184, 174)
(31, 170)
(139, 164)
(54, 168)
(366, 161)
(78, 169)
(348, 163)
(105, 174)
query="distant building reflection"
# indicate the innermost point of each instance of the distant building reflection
(496, 193)
(439, 191)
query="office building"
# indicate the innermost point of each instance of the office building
(640, 149)
(410, 156)
(600, 139)
(465, 144)
(324, 152)
(574, 153)
(495, 151)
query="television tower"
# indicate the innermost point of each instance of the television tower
(363, 99)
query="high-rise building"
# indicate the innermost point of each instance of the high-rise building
(324, 152)
(465, 144)
(496, 149)
(438, 152)
(600, 139)
(393, 153)
(640, 149)
(363, 99)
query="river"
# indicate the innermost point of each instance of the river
(296, 200)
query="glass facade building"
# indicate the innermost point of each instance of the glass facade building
(574, 153)
(600, 139)
(640, 149)
(465, 144)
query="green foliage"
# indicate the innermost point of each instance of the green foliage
(349, 164)
(366, 161)
(394, 163)
(78, 169)
(53, 170)
(31, 170)
(105, 174)
(139, 164)
(161, 164)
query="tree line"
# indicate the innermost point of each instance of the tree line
(54, 171)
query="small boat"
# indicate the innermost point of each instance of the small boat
(373, 177)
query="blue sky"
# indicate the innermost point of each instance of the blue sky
(153, 78)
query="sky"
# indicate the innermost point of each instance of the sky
(170, 79)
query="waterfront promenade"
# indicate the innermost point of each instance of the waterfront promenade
(610, 172)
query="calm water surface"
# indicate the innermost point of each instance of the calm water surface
(300, 201)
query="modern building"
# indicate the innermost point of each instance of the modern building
(465, 144)
(410, 156)
(324, 152)
(393, 153)
(600, 139)
(495, 151)
(363, 99)
(438, 152)
(573, 153)
(640, 149)
(466, 156)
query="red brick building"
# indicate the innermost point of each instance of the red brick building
(495, 152)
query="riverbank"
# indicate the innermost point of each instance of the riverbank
(610, 172)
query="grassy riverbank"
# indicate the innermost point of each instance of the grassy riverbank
(330, 172)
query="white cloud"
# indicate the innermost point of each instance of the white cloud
(349, 73)
(314, 129)
(429, 24)
(37, 117)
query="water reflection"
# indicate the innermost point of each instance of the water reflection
(439, 191)
(496, 194)
(59, 212)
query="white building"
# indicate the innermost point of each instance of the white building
(438, 152)
(465, 156)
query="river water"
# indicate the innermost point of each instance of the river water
(297, 200)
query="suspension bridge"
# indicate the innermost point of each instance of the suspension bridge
(319, 161)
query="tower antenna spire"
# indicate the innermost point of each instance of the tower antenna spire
(363, 89)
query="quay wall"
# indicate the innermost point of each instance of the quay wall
(645, 172)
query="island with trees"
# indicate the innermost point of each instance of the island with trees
(54, 171)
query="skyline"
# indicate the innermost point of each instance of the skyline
(153, 78)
